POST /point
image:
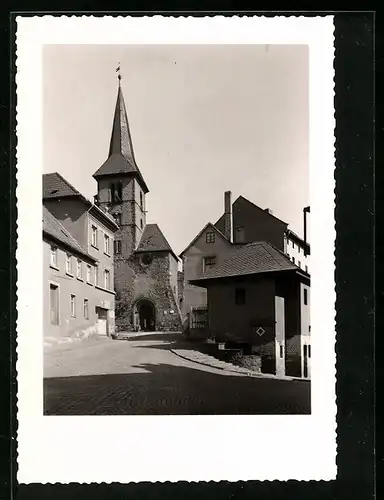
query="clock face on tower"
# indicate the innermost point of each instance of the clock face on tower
(146, 259)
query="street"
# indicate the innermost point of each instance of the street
(141, 376)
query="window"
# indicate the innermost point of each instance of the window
(293, 244)
(306, 269)
(305, 297)
(54, 303)
(107, 279)
(210, 237)
(293, 259)
(240, 234)
(117, 247)
(299, 263)
(281, 351)
(89, 273)
(106, 244)
(53, 256)
(141, 223)
(141, 201)
(239, 296)
(208, 263)
(117, 218)
(79, 269)
(73, 306)
(96, 275)
(86, 309)
(68, 264)
(309, 350)
(116, 190)
(94, 241)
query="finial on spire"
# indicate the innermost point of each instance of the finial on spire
(118, 72)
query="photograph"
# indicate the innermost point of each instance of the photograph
(176, 218)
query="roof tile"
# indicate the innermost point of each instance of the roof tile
(254, 258)
(153, 240)
(55, 186)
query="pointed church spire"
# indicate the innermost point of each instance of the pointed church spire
(121, 158)
(121, 141)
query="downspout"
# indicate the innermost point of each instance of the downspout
(305, 211)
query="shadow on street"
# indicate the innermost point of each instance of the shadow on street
(164, 389)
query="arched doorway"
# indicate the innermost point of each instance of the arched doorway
(145, 315)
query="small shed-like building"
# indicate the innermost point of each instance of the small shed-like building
(258, 297)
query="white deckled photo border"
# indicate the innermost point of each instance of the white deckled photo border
(174, 448)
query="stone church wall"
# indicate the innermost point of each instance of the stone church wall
(135, 281)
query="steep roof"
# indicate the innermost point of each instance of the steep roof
(209, 224)
(241, 198)
(121, 157)
(153, 240)
(55, 186)
(219, 224)
(53, 228)
(254, 258)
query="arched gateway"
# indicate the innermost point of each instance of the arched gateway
(145, 316)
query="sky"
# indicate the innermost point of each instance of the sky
(204, 119)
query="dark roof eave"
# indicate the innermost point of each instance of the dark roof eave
(124, 174)
(200, 281)
(69, 246)
(158, 250)
(297, 238)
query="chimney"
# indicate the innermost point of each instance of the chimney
(228, 215)
(305, 211)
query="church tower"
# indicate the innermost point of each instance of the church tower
(144, 263)
(121, 187)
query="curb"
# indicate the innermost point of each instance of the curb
(245, 372)
(225, 369)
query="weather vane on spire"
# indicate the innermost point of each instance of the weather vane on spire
(118, 72)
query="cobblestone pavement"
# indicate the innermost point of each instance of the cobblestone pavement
(140, 375)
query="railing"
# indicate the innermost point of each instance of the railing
(199, 318)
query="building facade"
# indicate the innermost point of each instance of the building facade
(242, 223)
(78, 295)
(144, 262)
(206, 251)
(258, 298)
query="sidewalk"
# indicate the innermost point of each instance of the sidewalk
(54, 343)
(205, 359)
